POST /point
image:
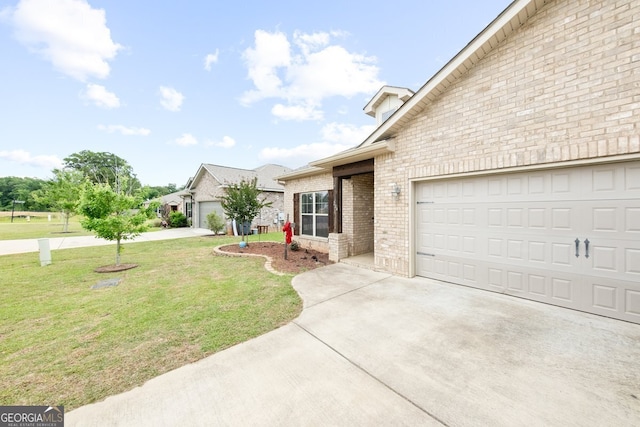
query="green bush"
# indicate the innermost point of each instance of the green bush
(295, 246)
(215, 223)
(177, 219)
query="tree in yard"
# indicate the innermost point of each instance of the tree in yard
(62, 193)
(112, 215)
(240, 202)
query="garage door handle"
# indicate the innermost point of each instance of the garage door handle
(577, 247)
(586, 245)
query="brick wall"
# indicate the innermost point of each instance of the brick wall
(566, 86)
(362, 215)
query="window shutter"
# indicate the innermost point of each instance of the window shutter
(296, 214)
(331, 210)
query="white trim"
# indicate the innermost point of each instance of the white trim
(356, 154)
(538, 166)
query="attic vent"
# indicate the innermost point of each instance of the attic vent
(388, 114)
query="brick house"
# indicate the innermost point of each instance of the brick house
(204, 190)
(514, 169)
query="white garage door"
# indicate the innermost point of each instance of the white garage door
(569, 237)
(204, 209)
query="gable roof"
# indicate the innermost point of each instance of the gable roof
(403, 94)
(511, 19)
(227, 175)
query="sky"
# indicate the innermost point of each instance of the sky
(170, 84)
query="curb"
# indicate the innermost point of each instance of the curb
(267, 263)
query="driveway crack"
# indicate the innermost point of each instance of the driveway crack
(369, 374)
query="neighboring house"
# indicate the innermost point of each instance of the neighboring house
(515, 168)
(209, 183)
(175, 202)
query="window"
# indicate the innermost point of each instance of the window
(188, 209)
(315, 213)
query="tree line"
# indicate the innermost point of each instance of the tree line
(96, 167)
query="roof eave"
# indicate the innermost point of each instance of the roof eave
(356, 154)
(512, 18)
(302, 173)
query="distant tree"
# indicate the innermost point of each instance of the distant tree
(16, 188)
(148, 192)
(62, 193)
(240, 202)
(104, 168)
(113, 215)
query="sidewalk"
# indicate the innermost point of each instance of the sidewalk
(31, 245)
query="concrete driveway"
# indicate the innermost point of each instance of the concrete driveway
(373, 349)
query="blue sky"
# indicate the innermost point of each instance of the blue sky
(168, 85)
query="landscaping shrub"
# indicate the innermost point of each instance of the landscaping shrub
(177, 219)
(215, 223)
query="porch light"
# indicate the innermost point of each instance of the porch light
(395, 190)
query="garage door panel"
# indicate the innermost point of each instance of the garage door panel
(517, 234)
(614, 298)
(632, 220)
(632, 262)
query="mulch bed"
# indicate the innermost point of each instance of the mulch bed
(114, 268)
(297, 261)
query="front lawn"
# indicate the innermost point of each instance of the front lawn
(62, 343)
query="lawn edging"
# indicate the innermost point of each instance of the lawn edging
(267, 263)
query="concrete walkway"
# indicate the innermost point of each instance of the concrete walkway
(373, 349)
(31, 245)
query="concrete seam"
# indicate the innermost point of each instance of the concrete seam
(346, 293)
(369, 374)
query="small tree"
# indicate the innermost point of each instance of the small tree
(215, 223)
(241, 203)
(62, 193)
(111, 215)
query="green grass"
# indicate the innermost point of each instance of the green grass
(62, 343)
(38, 226)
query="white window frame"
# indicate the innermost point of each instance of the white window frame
(314, 215)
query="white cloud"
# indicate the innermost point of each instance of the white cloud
(306, 73)
(69, 33)
(25, 158)
(171, 98)
(301, 154)
(124, 130)
(336, 137)
(346, 133)
(101, 97)
(211, 58)
(299, 112)
(272, 51)
(186, 139)
(227, 142)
